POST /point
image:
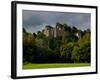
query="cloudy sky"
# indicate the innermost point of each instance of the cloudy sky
(34, 21)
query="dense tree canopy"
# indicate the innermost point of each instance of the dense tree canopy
(73, 47)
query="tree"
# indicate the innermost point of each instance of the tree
(66, 52)
(24, 30)
(80, 33)
(34, 34)
(76, 54)
(82, 51)
(85, 47)
(67, 28)
(54, 43)
(40, 35)
(66, 37)
(74, 29)
(28, 47)
(58, 24)
(85, 39)
(85, 53)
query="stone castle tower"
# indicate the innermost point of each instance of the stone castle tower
(57, 31)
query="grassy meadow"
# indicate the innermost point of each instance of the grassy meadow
(54, 65)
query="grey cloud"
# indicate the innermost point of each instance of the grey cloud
(34, 20)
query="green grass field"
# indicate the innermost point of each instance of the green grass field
(54, 65)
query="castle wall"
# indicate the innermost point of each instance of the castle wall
(53, 32)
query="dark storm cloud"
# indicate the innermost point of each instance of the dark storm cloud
(35, 20)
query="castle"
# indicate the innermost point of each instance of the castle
(50, 31)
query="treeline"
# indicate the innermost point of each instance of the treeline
(73, 47)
